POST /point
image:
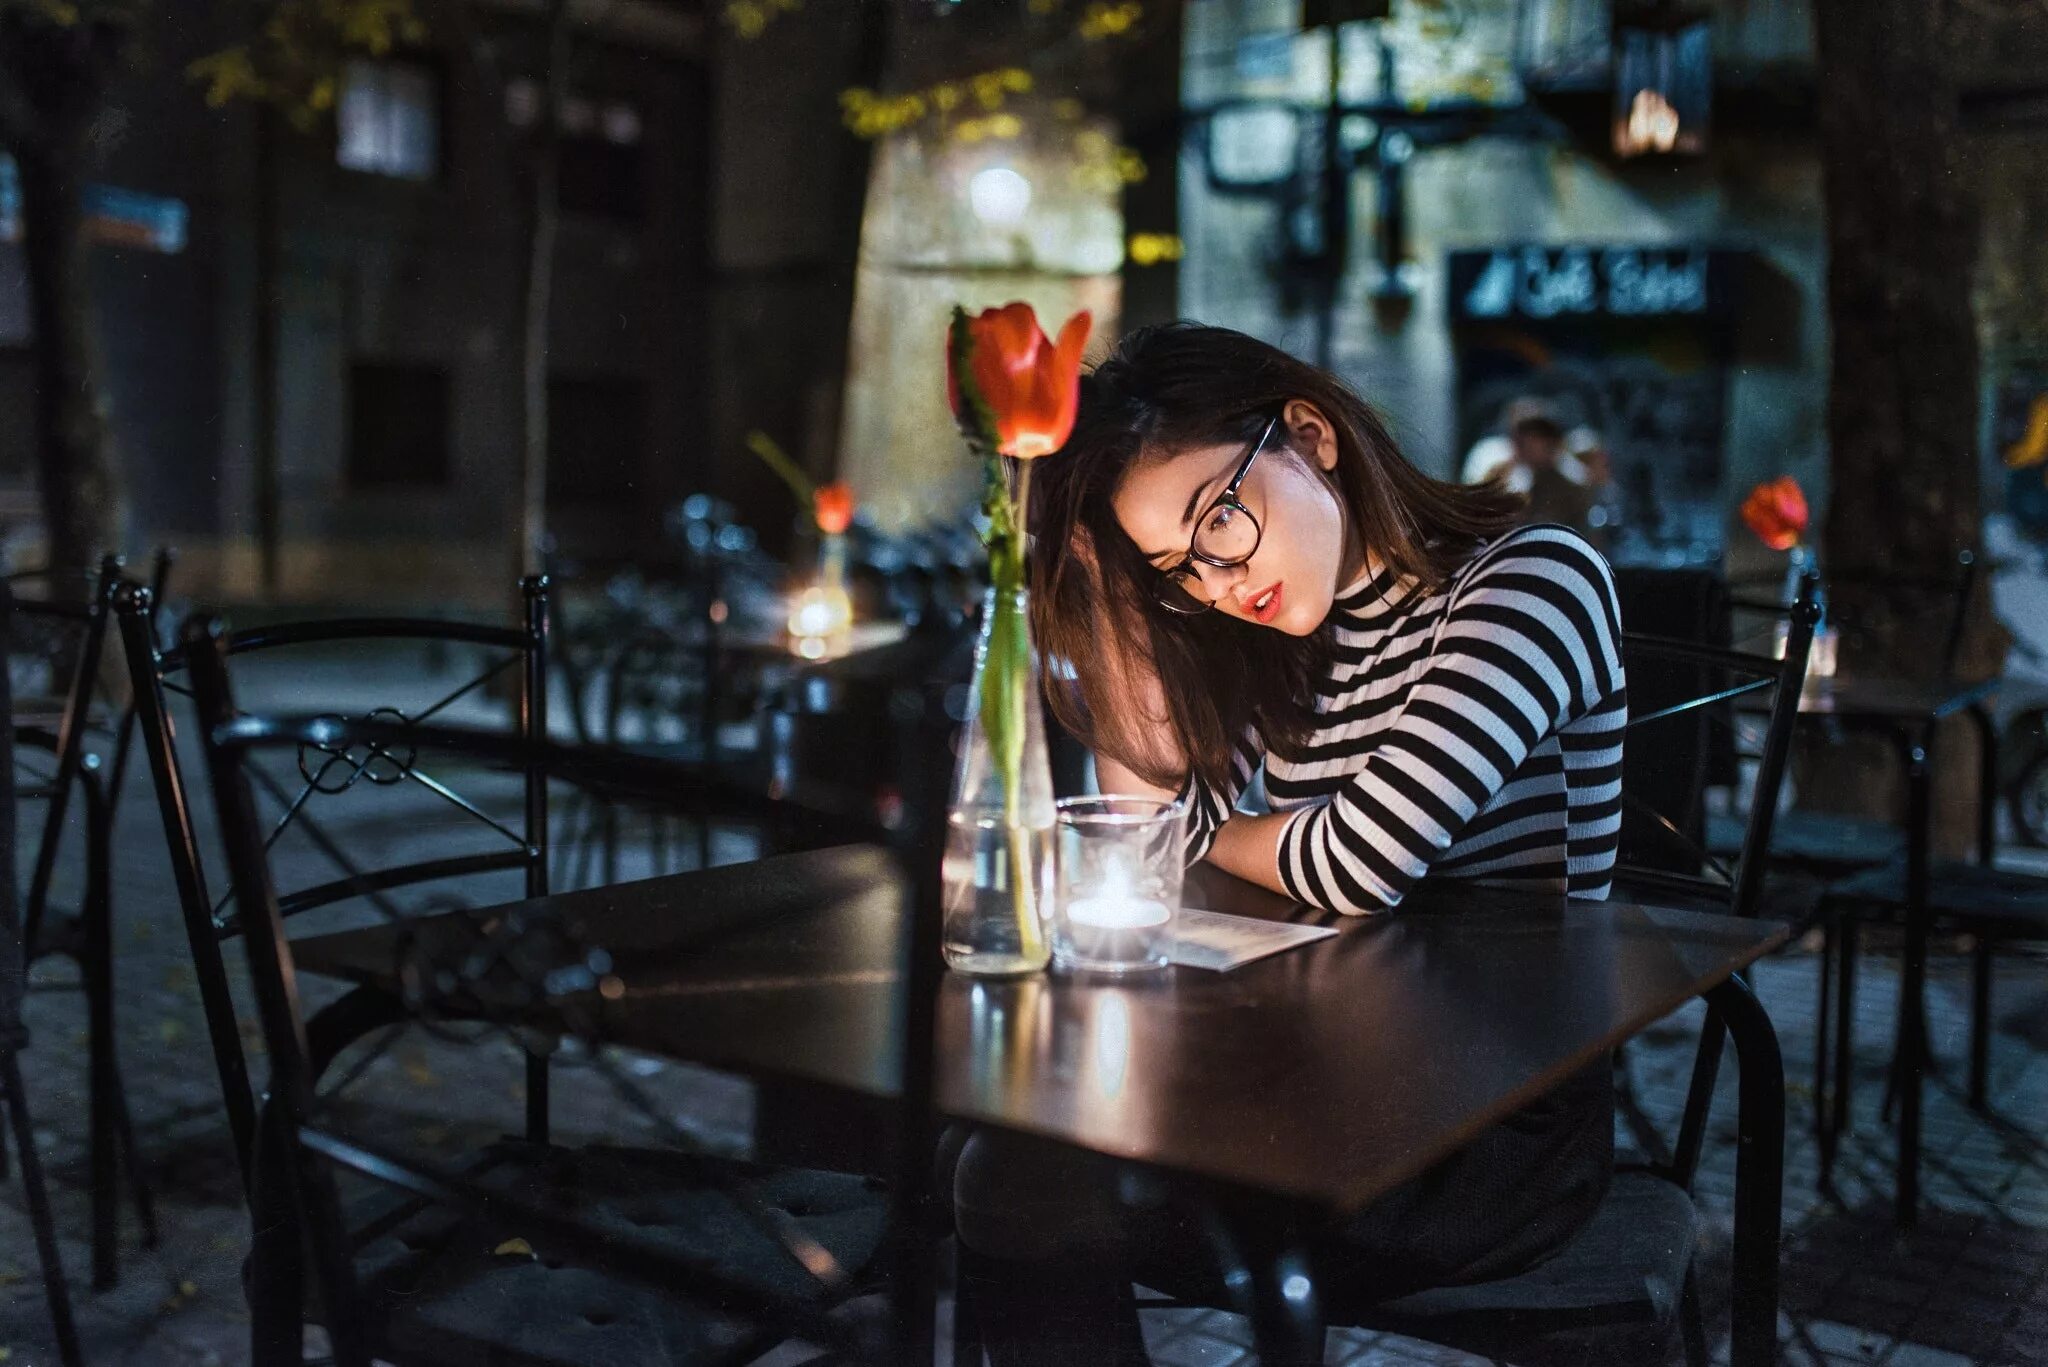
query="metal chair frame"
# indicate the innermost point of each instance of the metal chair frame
(294, 1193)
(87, 939)
(1739, 889)
(208, 921)
(13, 1037)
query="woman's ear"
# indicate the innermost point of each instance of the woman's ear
(1312, 432)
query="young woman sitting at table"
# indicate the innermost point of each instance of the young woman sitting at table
(1249, 579)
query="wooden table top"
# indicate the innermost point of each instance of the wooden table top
(1332, 1072)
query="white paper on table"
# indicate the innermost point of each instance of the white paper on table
(1220, 942)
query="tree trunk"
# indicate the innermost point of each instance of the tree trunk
(1903, 390)
(536, 294)
(263, 354)
(72, 468)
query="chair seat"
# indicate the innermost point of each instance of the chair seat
(2008, 899)
(1821, 841)
(1626, 1267)
(448, 1296)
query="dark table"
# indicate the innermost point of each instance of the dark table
(1384, 1049)
(1910, 713)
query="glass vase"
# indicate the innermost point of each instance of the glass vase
(999, 839)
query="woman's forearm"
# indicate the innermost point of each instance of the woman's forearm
(1112, 778)
(1248, 846)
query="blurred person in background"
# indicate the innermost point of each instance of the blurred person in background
(1564, 476)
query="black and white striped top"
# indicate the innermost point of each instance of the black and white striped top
(1474, 732)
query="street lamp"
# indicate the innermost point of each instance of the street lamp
(1663, 78)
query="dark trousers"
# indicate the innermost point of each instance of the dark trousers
(1053, 1237)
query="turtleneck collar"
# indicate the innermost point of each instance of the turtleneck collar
(1376, 593)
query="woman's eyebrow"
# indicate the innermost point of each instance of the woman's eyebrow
(1188, 515)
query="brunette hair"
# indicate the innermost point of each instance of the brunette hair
(1163, 694)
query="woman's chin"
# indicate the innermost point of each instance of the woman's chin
(1295, 622)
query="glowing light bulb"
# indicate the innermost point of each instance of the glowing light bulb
(999, 196)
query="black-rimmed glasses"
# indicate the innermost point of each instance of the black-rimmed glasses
(1226, 535)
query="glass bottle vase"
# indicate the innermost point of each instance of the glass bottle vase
(999, 837)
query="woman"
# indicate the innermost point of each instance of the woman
(1248, 579)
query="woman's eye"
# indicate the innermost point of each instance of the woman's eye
(1221, 519)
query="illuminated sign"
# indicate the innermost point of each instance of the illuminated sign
(1537, 283)
(124, 218)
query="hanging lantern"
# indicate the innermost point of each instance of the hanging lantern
(1663, 78)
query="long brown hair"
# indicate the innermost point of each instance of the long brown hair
(1164, 391)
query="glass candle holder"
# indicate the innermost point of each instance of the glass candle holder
(1119, 883)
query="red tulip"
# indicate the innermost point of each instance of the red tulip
(1020, 389)
(833, 506)
(1776, 511)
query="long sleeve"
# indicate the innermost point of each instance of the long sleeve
(1207, 808)
(1531, 642)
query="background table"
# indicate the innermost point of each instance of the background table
(1910, 713)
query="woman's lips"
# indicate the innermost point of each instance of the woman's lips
(1271, 605)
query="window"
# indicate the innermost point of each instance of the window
(388, 120)
(597, 440)
(602, 171)
(398, 426)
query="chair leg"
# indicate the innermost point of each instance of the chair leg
(537, 1104)
(967, 1345)
(138, 1179)
(1980, 1025)
(1846, 937)
(55, 1289)
(1692, 1321)
(103, 1085)
(1822, 1030)
(1287, 1322)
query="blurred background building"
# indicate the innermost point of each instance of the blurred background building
(1613, 206)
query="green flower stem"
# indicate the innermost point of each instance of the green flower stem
(1006, 687)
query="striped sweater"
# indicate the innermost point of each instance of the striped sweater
(1474, 732)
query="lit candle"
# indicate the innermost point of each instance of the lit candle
(1121, 914)
(1116, 926)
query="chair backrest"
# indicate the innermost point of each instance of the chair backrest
(495, 987)
(59, 642)
(1686, 701)
(1689, 692)
(519, 845)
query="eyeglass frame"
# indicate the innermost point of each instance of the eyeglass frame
(1227, 496)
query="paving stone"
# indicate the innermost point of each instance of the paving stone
(1196, 1350)
(1920, 1355)
(1842, 1339)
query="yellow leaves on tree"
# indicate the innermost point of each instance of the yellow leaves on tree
(294, 60)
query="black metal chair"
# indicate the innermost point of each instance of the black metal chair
(85, 734)
(1615, 1292)
(543, 1255)
(1862, 605)
(519, 844)
(636, 667)
(1995, 906)
(14, 1038)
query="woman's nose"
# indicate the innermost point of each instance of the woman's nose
(1225, 575)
